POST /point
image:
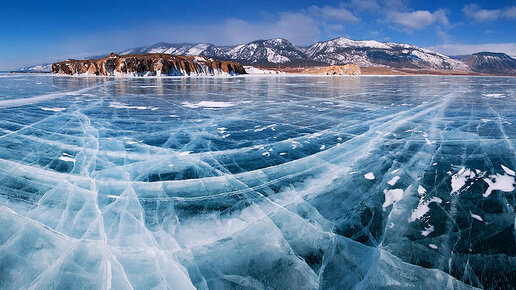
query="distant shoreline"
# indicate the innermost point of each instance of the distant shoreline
(378, 71)
(367, 74)
(29, 72)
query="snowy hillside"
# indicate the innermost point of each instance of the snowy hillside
(338, 51)
(205, 49)
(37, 68)
(491, 63)
(272, 51)
(374, 53)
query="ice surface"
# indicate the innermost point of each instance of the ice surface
(257, 182)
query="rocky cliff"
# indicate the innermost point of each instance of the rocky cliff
(151, 64)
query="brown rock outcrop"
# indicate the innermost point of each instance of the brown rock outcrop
(347, 69)
(151, 64)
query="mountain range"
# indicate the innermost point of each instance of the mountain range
(338, 51)
(490, 63)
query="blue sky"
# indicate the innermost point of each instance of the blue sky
(34, 32)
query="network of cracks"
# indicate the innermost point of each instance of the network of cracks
(257, 182)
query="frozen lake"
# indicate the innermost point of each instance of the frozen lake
(290, 182)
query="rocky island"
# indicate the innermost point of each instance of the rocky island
(148, 64)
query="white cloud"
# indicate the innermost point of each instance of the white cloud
(299, 28)
(366, 5)
(461, 49)
(333, 28)
(418, 19)
(443, 35)
(328, 13)
(381, 6)
(296, 27)
(474, 12)
(395, 4)
(510, 13)
(477, 14)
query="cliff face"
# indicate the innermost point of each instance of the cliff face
(150, 64)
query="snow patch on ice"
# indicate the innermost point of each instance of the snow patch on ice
(393, 181)
(392, 196)
(477, 217)
(208, 104)
(499, 182)
(67, 158)
(369, 176)
(428, 231)
(496, 96)
(422, 208)
(508, 170)
(119, 105)
(421, 190)
(463, 180)
(52, 109)
(272, 127)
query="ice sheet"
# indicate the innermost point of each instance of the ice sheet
(258, 182)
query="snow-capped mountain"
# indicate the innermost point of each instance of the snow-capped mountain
(37, 68)
(338, 51)
(272, 51)
(491, 63)
(205, 49)
(373, 53)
